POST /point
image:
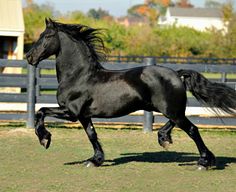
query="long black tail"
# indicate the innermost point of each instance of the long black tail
(208, 93)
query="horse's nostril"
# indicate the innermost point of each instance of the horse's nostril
(29, 53)
(28, 57)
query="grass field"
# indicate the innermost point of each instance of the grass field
(134, 162)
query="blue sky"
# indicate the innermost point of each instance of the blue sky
(115, 7)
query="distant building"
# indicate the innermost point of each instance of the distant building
(198, 18)
(11, 29)
(11, 35)
(132, 20)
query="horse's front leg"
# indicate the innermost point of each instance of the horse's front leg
(43, 134)
(98, 157)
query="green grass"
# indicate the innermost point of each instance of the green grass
(134, 162)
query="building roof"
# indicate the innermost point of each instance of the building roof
(132, 19)
(11, 16)
(195, 12)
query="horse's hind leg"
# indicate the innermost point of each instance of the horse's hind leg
(98, 157)
(164, 134)
(207, 158)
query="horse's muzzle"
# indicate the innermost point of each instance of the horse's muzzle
(30, 58)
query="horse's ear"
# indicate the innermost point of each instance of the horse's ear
(46, 21)
(49, 22)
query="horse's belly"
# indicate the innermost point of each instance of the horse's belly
(114, 106)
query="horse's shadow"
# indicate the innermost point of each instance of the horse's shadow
(183, 159)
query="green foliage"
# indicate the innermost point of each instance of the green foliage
(171, 41)
(133, 10)
(115, 38)
(78, 17)
(34, 16)
(182, 41)
(231, 37)
(212, 4)
(113, 33)
(98, 14)
(142, 40)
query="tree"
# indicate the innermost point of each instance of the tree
(164, 3)
(212, 4)
(98, 14)
(34, 16)
(159, 5)
(184, 4)
(228, 11)
(145, 10)
(230, 36)
(135, 10)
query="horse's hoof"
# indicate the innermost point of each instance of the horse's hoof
(166, 145)
(202, 168)
(45, 142)
(207, 163)
(89, 164)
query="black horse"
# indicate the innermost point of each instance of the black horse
(87, 90)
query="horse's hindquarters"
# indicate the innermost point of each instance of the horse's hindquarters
(168, 94)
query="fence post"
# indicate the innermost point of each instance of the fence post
(31, 96)
(148, 116)
(223, 77)
(37, 76)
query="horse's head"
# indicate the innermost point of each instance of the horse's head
(47, 44)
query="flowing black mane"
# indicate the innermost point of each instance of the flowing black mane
(91, 37)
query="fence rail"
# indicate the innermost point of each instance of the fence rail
(173, 60)
(39, 87)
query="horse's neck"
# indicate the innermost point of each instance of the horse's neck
(74, 59)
